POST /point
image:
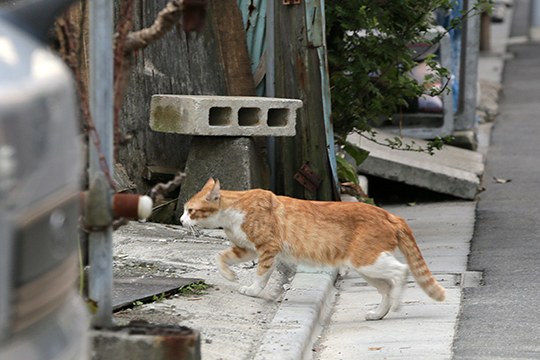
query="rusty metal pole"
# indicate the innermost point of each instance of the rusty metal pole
(101, 108)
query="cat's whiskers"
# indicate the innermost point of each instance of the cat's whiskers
(194, 230)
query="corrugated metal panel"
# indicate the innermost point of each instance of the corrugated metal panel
(254, 17)
(316, 25)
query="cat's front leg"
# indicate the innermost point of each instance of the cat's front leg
(264, 270)
(257, 286)
(230, 256)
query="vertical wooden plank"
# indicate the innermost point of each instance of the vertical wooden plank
(234, 52)
(298, 76)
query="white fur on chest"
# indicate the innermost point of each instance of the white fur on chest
(231, 221)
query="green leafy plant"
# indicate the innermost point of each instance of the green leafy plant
(197, 288)
(370, 60)
(158, 297)
(347, 168)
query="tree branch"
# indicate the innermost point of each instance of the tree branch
(165, 21)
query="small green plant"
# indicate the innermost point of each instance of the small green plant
(158, 297)
(198, 288)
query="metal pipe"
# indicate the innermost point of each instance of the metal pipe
(101, 108)
(271, 84)
(127, 206)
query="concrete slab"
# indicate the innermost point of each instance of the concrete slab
(127, 290)
(452, 170)
(224, 115)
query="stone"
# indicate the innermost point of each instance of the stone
(465, 139)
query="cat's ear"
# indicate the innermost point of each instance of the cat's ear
(214, 194)
(209, 184)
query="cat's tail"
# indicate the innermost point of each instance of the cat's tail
(423, 276)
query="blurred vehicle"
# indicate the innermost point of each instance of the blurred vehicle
(41, 315)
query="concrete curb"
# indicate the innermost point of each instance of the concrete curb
(300, 317)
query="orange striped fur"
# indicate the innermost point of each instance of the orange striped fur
(262, 225)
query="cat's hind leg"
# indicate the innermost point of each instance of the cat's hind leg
(384, 287)
(390, 279)
(230, 256)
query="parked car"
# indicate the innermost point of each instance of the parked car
(41, 314)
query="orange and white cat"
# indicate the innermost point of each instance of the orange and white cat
(262, 225)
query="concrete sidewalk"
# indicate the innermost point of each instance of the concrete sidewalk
(422, 328)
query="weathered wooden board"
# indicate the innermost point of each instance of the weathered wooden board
(298, 77)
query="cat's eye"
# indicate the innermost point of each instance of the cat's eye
(190, 211)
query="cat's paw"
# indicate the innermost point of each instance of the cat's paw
(249, 290)
(374, 315)
(225, 270)
(396, 306)
(227, 273)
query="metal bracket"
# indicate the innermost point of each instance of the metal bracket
(194, 14)
(291, 2)
(308, 178)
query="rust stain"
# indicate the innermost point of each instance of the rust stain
(180, 347)
(301, 72)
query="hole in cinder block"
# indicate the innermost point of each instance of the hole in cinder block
(219, 116)
(249, 116)
(278, 117)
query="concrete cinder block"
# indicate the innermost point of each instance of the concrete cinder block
(223, 115)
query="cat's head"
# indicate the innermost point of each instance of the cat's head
(203, 208)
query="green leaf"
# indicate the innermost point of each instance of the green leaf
(346, 171)
(356, 152)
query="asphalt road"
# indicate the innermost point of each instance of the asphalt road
(501, 319)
